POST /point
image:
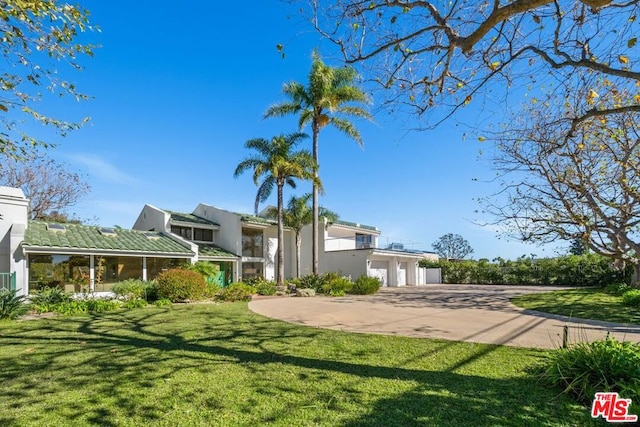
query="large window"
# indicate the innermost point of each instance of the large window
(112, 269)
(69, 272)
(202, 235)
(252, 243)
(364, 241)
(252, 270)
(184, 232)
(156, 266)
(193, 234)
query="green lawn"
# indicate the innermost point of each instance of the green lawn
(222, 365)
(583, 303)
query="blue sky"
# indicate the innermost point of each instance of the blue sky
(179, 87)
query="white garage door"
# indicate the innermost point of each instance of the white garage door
(402, 274)
(380, 269)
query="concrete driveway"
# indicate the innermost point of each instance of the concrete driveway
(470, 313)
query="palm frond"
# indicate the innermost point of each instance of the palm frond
(347, 128)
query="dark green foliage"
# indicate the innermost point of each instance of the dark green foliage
(11, 305)
(266, 288)
(162, 302)
(134, 289)
(75, 307)
(336, 286)
(330, 283)
(261, 285)
(311, 281)
(578, 247)
(617, 289)
(237, 292)
(49, 295)
(207, 269)
(569, 270)
(632, 298)
(135, 303)
(213, 289)
(180, 285)
(365, 285)
(601, 366)
(101, 305)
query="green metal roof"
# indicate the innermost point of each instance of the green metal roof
(257, 219)
(356, 225)
(77, 236)
(187, 217)
(208, 250)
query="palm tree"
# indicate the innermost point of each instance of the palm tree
(298, 214)
(329, 96)
(276, 163)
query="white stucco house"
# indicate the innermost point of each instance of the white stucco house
(89, 258)
(353, 250)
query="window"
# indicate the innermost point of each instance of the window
(364, 241)
(112, 269)
(156, 266)
(184, 232)
(69, 272)
(202, 235)
(252, 243)
(252, 270)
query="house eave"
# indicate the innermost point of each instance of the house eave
(92, 251)
(194, 225)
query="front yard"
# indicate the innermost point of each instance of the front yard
(591, 304)
(221, 365)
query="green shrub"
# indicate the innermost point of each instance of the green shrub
(365, 285)
(236, 292)
(617, 289)
(162, 302)
(312, 281)
(213, 289)
(49, 295)
(135, 303)
(632, 298)
(75, 307)
(266, 288)
(180, 285)
(11, 305)
(96, 305)
(134, 289)
(337, 286)
(253, 281)
(601, 366)
(69, 308)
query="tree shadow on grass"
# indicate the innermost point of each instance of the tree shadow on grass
(109, 359)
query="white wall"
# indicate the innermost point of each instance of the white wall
(352, 263)
(152, 218)
(14, 208)
(229, 236)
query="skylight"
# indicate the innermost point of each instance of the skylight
(56, 227)
(107, 231)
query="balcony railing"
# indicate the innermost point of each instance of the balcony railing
(8, 281)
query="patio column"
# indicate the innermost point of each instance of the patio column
(92, 274)
(144, 268)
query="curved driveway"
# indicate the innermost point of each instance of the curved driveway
(470, 313)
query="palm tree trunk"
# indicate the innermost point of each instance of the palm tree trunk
(315, 228)
(298, 246)
(280, 254)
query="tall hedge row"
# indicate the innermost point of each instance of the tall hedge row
(569, 270)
